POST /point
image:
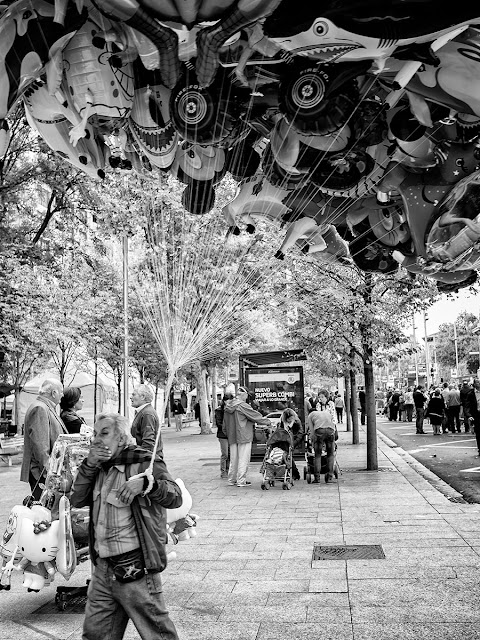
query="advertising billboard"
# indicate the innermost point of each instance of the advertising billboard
(274, 389)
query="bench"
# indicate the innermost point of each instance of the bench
(10, 447)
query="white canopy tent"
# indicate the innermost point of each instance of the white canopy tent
(107, 396)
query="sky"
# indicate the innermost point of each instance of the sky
(447, 310)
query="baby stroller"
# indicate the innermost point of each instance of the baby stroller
(309, 469)
(277, 462)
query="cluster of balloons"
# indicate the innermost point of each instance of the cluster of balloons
(355, 125)
(47, 537)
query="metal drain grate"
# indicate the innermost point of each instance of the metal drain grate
(348, 552)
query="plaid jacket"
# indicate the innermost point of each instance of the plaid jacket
(148, 512)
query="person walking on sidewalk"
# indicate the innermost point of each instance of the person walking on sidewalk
(178, 412)
(222, 435)
(473, 405)
(239, 419)
(419, 400)
(464, 391)
(363, 404)
(339, 406)
(42, 428)
(436, 412)
(127, 534)
(146, 423)
(409, 404)
(322, 426)
(454, 409)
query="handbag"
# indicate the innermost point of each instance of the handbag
(128, 567)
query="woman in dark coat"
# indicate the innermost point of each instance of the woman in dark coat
(70, 403)
(393, 406)
(222, 437)
(436, 412)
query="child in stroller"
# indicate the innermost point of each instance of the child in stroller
(277, 462)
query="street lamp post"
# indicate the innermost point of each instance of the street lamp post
(415, 350)
(427, 355)
(456, 346)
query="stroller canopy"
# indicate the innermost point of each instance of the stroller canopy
(280, 435)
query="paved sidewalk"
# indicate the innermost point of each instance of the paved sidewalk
(249, 574)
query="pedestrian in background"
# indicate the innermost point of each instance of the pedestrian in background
(363, 406)
(464, 391)
(239, 420)
(419, 400)
(408, 404)
(473, 406)
(70, 403)
(436, 412)
(146, 423)
(401, 406)
(393, 406)
(42, 428)
(222, 435)
(453, 409)
(178, 412)
(322, 427)
(339, 407)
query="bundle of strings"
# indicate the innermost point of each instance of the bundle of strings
(195, 288)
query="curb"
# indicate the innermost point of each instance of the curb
(437, 483)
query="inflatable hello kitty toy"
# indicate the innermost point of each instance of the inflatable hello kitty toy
(180, 522)
(38, 546)
(31, 538)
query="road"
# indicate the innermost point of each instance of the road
(452, 457)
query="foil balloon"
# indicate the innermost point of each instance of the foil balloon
(53, 122)
(100, 94)
(150, 122)
(28, 32)
(200, 168)
(356, 129)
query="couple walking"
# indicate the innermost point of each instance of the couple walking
(238, 422)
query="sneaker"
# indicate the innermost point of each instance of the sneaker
(232, 484)
(244, 484)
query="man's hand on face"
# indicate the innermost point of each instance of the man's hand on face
(129, 490)
(98, 453)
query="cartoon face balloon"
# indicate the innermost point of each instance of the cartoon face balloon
(38, 547)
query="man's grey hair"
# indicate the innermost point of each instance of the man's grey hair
(48, 385)
(145, 392)
(119, 422)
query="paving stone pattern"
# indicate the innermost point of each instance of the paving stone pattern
(249, 575)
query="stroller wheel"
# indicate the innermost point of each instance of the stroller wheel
(335, 473)
(304, 473)
(264, 486)
(309, 478)
(284, 486)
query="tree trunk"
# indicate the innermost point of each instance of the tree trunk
(213, 377)
(348, 395)
(372, 456)
(205, 427)
(353, 401)
(118, 376)
(16, 411)
(95, 385)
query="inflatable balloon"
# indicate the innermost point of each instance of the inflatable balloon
(180, 512)
(53, 122)
(150, 121)
(353, 127)
(28, 33)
